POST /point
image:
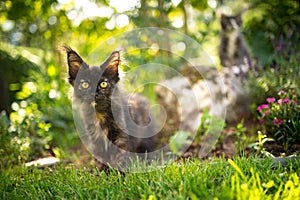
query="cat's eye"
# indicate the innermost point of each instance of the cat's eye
(85, 85)
(103, 84)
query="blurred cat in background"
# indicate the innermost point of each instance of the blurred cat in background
(233, 50)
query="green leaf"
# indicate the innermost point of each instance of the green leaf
(179, 140)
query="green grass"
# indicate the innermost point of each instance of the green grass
(240, 178)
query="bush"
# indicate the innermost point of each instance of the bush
(23, 138)
(13, 149)
(280, 118)
(280, 73)
(40, 121)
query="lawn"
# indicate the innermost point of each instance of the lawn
(240, 178)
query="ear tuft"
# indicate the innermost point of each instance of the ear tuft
(111, 65)
(74, 62)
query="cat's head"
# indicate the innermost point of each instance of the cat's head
(92, 83)
(231, 23)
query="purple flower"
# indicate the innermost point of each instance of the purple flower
(262, 106)
(271, 99)
(279, 101)
(261, 121)
(294, 103)
(281, 46)
(285, 101)
(277, 122)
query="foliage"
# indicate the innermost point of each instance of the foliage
(204, 123)
(282, 72)
(274, 37)
(259, 145)
(193, 179)
(253, 187)
(280, 118)
(209, 125)
(270, 19)
(14, 69)
(22, 140)
(30, 132)
(40, 119)
(240, 132)
(12, 150)
(180, 141)
(46, 98)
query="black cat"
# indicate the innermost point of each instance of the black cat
(113, 125)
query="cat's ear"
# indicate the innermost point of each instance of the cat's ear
(224, 16)
(111, 66)
(238, 19)
(74, 63)
(224, 21)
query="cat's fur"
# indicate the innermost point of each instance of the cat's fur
(115, 125)
(233, 50)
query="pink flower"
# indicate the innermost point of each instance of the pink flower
(271, 99)
(261, 121)
(265, 113)
(281, 92)
(279, 101)
(285, 101)
(294, 103)
(262, 106)
(277, 122)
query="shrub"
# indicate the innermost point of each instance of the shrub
(280, 118)
(281, 72)
(10, 149)
(23, 138)
(40, 120)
